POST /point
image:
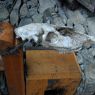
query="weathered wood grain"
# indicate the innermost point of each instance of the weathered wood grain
(44, 65)
(14, 72)
(6, 35)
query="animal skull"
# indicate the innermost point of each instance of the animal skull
(50, 37)
(32, 31)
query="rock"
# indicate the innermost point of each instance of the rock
(87, 54)
(8, 4)
(14, 17)
(37, 18)
(17, 5)
(91, 26)
(82, 67)
(48, 15)
(6, 20)
(61, 12)
(32, 6)
(90, 71)
(3, 13)
(24, 10)
(32, 11)
(92, 2)
(88, 44)
(24, 1)
(75, 17)
(32, 3)
(25, 21)
(92, 52)
(79, 58)
(51, 16)
(90, 79)
(57, 20)
(79, 28)
(45, 4)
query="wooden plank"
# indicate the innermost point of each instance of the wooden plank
(69, 85)
(36, 87)
(50, 65)
(1, 64)
(6, 35)
(14, 71)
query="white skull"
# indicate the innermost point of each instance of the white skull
(50, 37)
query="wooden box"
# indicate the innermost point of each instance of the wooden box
(45, 65)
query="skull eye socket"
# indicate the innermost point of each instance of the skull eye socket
(50, 36)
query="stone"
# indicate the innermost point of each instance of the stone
(47, 15)
(24, 1)
(79, 28)
(62, 14)
(6, 3)
(93, 2)
(25, 21)
(51, 16)
(14, 17)
(90, 79)
(75, 17)
(32, 3)
(82, 67)
(57, 20)
(23, 10)
(45, 4)
(6, 20)
(37, 18)
(32, 6)
(79, 58)
(17, 5)
(88, 56)
(90, 71)
(3, 13)
(32, 11)
(91, 26)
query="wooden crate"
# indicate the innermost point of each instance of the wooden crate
(6, 35)
(44, 65)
